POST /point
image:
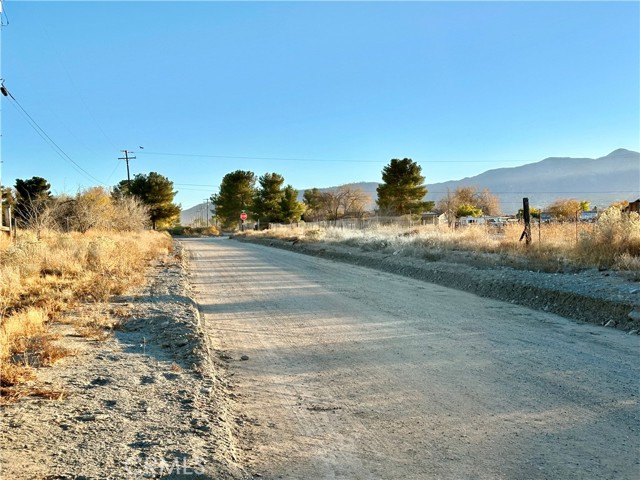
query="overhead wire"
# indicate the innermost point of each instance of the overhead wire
(56, 148)
(322, 160)
(3, 13)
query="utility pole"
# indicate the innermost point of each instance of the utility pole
(126, 158)
(207, 200)
(4, 92)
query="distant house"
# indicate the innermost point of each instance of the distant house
(433, 218)
(590, 216)
(485, 220)
(633, 207)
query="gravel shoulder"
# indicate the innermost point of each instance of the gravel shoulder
(147, 402)
(590, 296)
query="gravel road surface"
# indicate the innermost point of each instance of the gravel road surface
(339, 371)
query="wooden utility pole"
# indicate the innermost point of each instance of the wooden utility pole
(207, 200)
(526, 234)
(126, 158)
(4, 92)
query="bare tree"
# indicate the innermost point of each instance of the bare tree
(567, 209)
(40, 213)
(353, 201)
(449, 205)
(488, 203)
(471, 200)
(331, 204)
(130, 214)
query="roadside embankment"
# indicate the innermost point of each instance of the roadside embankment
(144, 401)
(591, 296)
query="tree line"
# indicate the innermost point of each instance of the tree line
(402, 192)
(267, 200)
(147, 200)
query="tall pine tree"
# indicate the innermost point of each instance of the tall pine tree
(403, 190)
(237, 191)
(292, 209)
(268, 200)
(156, 192)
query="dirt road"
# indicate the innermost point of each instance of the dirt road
(358, 374)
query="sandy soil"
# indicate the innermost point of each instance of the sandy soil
(299, 367)
(346, 372)
(144, 403)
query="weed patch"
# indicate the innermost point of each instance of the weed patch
(612, 242)
(42, 278)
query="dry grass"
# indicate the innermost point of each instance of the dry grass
(612, 242)
(40, 279)
(10, 395)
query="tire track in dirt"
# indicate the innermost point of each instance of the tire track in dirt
(356, 373)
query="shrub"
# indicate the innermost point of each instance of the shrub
(614, 241)
(39, 278)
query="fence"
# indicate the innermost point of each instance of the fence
(551, 232)
(405, 221)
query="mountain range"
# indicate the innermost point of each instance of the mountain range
(601, 181)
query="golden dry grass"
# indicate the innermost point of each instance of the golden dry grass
(42, 278)
(612, 242)
(11, 394)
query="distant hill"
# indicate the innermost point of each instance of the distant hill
(601, 181)
(197, 214)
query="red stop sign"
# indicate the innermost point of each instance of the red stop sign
(243, 216)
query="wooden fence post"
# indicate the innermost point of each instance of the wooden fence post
(526, 234)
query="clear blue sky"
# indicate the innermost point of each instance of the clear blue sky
(459, 87)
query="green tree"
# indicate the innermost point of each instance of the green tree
(156, 192)
(8, 198)
(32, 198)
(403, 189)
(533, 212)
(291, 208)
(267, 202)
(237, 190)
(313, 201)
(467, 210)
(585, 205)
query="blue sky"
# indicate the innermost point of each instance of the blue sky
(324, 93)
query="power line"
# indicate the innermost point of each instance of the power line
(321, 160)
(328, 160)
(236, 157)
(197, 184)
(56, 148)
(3, 13)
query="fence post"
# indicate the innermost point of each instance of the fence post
(526, 234)
(540, 227)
